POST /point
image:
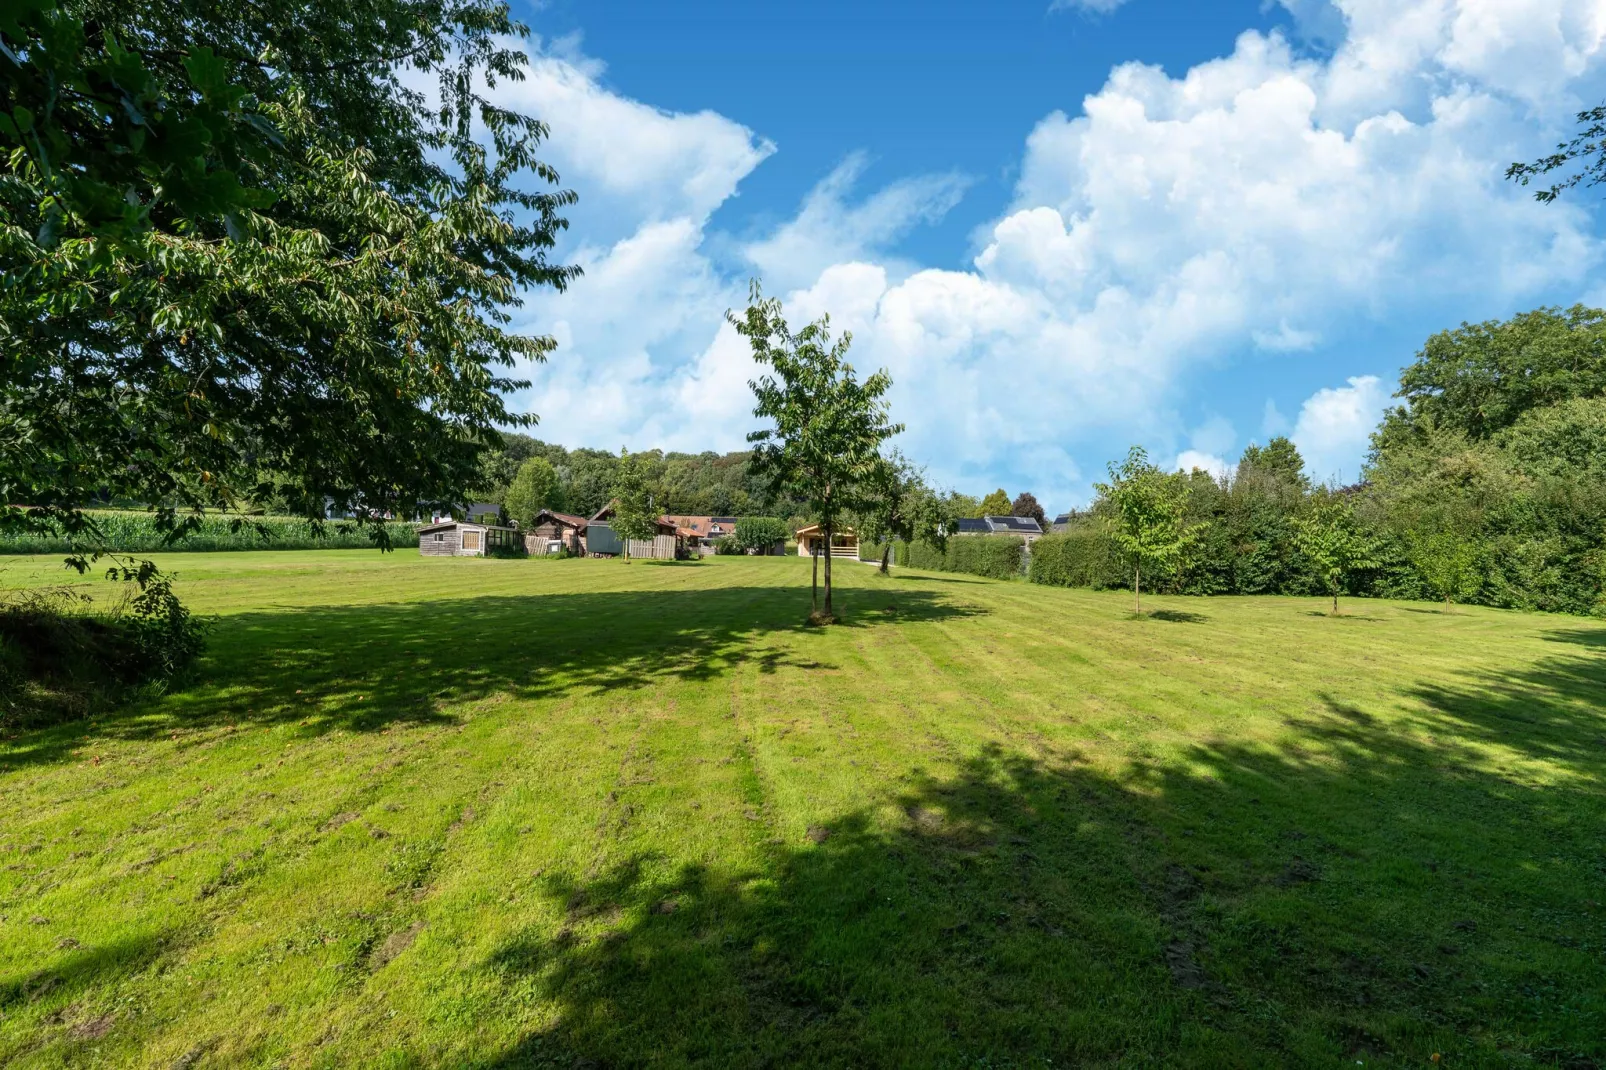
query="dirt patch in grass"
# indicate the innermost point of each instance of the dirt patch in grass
(394, 945)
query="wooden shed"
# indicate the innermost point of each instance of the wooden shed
(811, 540)
(458, 538)
(549, 528)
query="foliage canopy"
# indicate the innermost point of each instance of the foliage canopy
(827, 425)
(241, 258)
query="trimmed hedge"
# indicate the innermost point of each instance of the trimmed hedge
(1086, 557)
(136, 533)
(996, 556)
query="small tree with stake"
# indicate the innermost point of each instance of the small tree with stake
(1329, 536)
(1149, 513)
(633, 513)
(828, 426)
(897, 504)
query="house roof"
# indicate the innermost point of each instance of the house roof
(814, 529)
(562, 518)
(1016, 525)
(1063, 518)
(445, 525)
(973, 525)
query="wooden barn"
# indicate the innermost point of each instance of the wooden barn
(459, 538)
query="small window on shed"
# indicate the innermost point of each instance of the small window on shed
(440, 536)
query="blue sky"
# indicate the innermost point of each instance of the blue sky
(1064, 230)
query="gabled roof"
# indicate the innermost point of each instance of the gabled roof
(969, 525)
(1063, 518)
(562, 518)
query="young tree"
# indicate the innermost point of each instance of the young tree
(1150, 509)
(1026, 505)
(634, 516)
(897, 504)
(1450, 564)
(995, 504)
(531, 491)
(828, 426)
(1329, 536)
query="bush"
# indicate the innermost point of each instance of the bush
(1082, 557)
(134, 532)
(996, 556)
(60, 659)
(759, 533)
(727, 546)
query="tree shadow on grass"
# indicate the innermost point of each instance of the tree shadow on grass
(368, 666)
(1247, 906)
(1178, 616)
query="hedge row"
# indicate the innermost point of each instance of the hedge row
(1080, 558)
(137, 533)
(997, 556)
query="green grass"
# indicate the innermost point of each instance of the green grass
(536, 813)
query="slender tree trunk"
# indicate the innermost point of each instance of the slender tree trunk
(885, 551)
(1335, 599)
(828, 538)
(1137, 593)
(814, 580)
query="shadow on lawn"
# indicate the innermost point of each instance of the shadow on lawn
(367, 666)
(1243, 906)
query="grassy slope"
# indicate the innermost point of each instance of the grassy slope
(507, 813)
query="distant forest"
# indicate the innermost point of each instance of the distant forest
(698, 484)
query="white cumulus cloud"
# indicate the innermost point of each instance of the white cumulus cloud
(1265, 201)
(1334, 427)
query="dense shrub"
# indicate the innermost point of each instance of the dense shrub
(136, 532)
(1082, 557)
(62, 656)
(759, 533)
(727, 546)
(997, 556)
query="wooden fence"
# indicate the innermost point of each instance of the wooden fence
(663, 547)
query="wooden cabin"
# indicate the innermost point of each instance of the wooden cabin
(553, 531)
(811, 540)
(459, 538)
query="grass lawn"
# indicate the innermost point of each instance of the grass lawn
(530, 813)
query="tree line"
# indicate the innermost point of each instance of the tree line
(1486, 485)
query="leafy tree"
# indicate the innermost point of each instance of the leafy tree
(531, 491)
(633, 514)
(995, 504)
(1448, 562)
(1149, 509)
(828, 426)
(1278, 459)
(759, 533)
(1026, 505)
(244, 260)
(1328, 535)
(961, 505)
(1481, 378)
(896, 504)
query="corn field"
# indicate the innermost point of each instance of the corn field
(130, 532)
